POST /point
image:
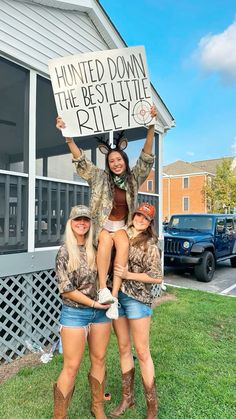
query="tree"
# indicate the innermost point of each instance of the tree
(220, 190)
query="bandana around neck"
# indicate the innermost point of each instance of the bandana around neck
(120, 181)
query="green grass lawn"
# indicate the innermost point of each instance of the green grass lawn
(194, 352)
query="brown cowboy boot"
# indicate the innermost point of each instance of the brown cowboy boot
(61, 403)
(151, 400)
(97, 393)
(127, 400)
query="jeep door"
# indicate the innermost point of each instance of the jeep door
(231, 232)
(223, 242)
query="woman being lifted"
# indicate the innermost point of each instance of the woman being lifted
(113, 199)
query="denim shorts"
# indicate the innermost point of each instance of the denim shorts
(131, 308)
(81, 317)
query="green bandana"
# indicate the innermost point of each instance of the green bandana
(120, 181)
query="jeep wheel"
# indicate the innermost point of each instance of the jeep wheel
(233, 262)
(205, 271)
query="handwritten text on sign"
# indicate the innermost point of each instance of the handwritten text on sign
(102, 91)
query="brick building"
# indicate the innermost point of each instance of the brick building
(182, 185)
(149, 185)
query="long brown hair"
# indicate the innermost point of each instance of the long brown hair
(142, 238)
(127, 171)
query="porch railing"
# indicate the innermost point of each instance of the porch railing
(53, 200)
(13, 212)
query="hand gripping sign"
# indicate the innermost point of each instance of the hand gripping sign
(102, 91)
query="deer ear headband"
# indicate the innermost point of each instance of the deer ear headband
(121, 144)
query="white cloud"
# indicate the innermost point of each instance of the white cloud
(190, 153)
(217, 53)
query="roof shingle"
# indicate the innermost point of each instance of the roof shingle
(181, 167)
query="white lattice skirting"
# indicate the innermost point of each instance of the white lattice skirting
(29, 310)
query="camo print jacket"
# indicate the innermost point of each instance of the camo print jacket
(101, 195)
(140, 261)
(83, 279)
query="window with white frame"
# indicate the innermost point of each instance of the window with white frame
(185, 182)
(185, 203)
(149, 185)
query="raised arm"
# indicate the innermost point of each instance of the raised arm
(75, 151)
(150, 133)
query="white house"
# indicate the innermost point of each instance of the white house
(37, 184)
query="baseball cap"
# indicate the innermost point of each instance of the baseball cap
(80, 211)
(147, 210)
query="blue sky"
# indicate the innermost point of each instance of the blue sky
(191, 54)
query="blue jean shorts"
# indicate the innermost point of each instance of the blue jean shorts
(131, 308)
(82, 317)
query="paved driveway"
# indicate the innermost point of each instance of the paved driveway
(224, 281)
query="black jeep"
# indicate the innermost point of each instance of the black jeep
(199, 241)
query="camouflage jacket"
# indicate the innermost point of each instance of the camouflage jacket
(101, 195)
(83, 279)
(148, 262)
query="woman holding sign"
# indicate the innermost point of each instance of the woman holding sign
(113, 199)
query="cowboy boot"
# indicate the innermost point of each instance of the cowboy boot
(127, 400)
(151, 400)
(97, 393)
(61, 403)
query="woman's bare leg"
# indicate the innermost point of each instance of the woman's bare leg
(73, 343)
(98, 340)
(140, 332)
(105, 244)
(121, 328)
(121, 243)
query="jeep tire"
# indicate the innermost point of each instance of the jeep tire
(233, 262)
(205, 271)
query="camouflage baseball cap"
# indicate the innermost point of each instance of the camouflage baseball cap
(80, 211)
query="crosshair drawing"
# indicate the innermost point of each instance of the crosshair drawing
(141, 112)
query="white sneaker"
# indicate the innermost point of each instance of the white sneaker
(113, 312)
(105, 297)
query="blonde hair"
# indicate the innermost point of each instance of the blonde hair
(73, 248)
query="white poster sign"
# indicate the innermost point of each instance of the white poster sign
(102, 91)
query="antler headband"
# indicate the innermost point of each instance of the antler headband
(121, 144)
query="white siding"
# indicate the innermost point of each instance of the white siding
(32, 34)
